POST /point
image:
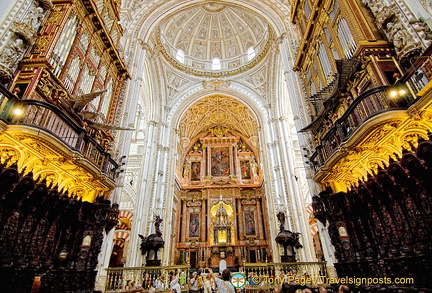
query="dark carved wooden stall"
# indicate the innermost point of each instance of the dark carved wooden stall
(382, 226)
(44, 232)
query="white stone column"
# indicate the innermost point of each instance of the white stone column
(328, 249)
(295, 173)
(131, 95)
(103, 260)
(296, 195)
(143, 208)
(300, 112)
(274, 188)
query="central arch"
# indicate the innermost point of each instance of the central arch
(221, 206)
(258, 86)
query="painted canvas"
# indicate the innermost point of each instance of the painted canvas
(193, 225)
(196, 171)
(220, 161)
(250, 224)
(245, 169)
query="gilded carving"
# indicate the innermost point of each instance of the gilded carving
(46, 87)
(378, 135)
(194, 203)
(219, 131)
(53, 162)
(226, 111)
(54, 18)
(41, 44)
(215, 84)
(248, 202)
(9, 156)
(373, 149)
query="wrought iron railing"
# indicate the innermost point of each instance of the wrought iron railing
(51, 119)
(364, 108)
(42, 115)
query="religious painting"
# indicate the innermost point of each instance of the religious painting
(193, 225)
(220, 161)
(196, 171)
(250, 224)
(245, 169)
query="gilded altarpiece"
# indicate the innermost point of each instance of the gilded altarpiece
(222, 203)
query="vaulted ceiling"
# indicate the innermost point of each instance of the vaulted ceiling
(217, 110)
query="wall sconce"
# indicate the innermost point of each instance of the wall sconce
(17, 112)
(398, 93)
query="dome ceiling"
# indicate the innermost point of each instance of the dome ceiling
(214, 29)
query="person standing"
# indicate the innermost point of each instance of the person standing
(174, 285)
(223, 284)
(200, 283)
(146, 282)
(208, 284)
(194, 283)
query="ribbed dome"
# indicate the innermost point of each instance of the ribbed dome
(202, 32)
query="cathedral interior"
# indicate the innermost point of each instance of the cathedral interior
(273, 137)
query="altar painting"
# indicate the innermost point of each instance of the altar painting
(220, 161)
(249, 224)
(194, 225)
(196, 171)
(245, 169)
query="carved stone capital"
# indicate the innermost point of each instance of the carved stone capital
(5, 73)
(25, 31)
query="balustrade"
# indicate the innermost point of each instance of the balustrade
(49, 118)
(45, 118)
(364, 108)
(269, 275)
(259, 276)
(144, 277)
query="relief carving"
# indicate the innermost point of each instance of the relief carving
(10, 57)
(387, 16)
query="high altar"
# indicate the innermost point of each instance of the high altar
(222, 212)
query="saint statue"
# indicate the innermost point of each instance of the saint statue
(34, 17)
(12, 52)
(254, 167)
